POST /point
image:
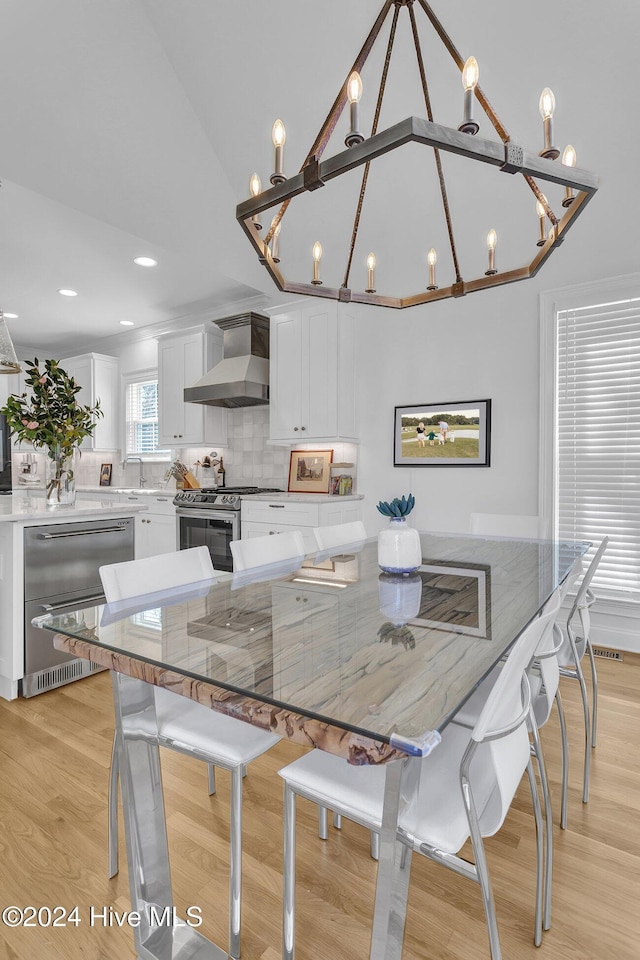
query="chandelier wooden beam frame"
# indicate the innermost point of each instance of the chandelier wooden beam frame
(506, 155)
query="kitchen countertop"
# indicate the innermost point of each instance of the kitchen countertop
(305, 497)
(148, 491)
(20, 507)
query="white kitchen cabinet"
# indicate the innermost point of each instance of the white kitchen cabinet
(97, 375)
(182, 360)
(260, 518)
(156, 529)
(312, 392)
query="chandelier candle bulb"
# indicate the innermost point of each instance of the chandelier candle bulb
(317, 257)
(432, 259)
(569, 159)
(542, 239)
(547, 106)
(371, 268)
(470, 75)
(492, 239)
(278, 135)
(255, 188)
(275, 241)
(354, 94)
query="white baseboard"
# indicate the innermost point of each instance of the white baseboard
(615, 625)
(8, 688)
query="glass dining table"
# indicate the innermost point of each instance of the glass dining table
(327, 651)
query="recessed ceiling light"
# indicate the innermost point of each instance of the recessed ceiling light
(125, 323)
(68, 293)
(145, 261)
(11, 316)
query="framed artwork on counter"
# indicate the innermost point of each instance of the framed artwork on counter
(443, 434)
(105, 474)
(310, 471)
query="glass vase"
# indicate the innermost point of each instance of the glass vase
(399, 548)
(60, 477)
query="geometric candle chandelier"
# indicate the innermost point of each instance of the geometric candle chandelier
(503, 154)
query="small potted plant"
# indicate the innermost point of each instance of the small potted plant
(51, 418)
(399, 549)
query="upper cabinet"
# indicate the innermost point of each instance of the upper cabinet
(182, 359)
(97, 376)
(312, 392)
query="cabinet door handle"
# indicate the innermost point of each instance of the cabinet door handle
(295, 429)
(276, 506)
(79, 533)
(303, 428)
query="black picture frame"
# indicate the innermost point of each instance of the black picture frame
(420, 441)
(105, 474)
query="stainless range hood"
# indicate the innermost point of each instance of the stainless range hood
(242, 378)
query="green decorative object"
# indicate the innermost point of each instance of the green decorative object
(400, 507)
(51, 418)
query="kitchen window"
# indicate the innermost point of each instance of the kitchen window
(591, 425)
(141, 417)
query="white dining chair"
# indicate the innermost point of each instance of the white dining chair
(185, 726)
(466, 788)
(577, 642)
(258, 551)
(340, 535)
(508, 525)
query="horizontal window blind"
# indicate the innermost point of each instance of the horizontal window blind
(597, 481)
(142, 417)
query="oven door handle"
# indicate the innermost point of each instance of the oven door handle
(206, 515)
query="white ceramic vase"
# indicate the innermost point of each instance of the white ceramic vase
(399, 549)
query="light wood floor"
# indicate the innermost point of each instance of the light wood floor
(54, 758)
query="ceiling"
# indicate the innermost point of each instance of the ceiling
(131, 127)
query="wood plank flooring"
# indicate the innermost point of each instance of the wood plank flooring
(54, 761)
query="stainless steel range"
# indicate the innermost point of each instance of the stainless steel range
(211, 518)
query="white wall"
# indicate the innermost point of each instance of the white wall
(483, 346)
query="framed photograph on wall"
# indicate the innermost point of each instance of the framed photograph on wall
(105, 474)
(443, 434)
(310, 471)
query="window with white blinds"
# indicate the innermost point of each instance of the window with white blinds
(597, 483)
(141, 417)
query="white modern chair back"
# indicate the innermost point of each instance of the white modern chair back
(185, 726)
(504, 703)
(506, 708)
(340, 534)
(508, 525)
(584, 597)
(574, 648)
(135, 578)
(258, 551)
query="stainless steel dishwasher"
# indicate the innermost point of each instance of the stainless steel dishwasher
(61, 563)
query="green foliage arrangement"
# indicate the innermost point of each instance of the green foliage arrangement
(51, 416)
(398, 507)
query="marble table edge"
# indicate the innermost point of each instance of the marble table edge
(356, 748)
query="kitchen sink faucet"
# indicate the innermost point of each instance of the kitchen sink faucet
(140, 461)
